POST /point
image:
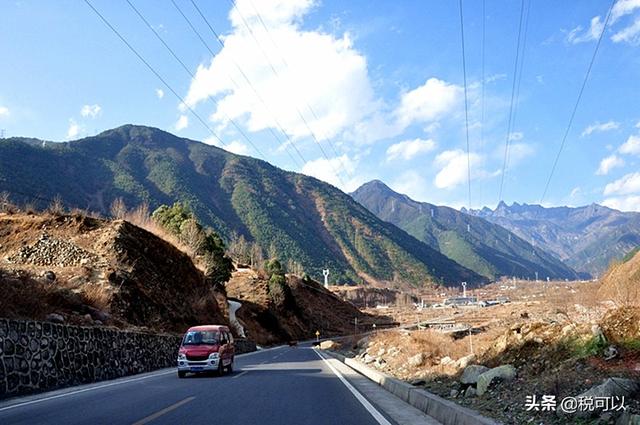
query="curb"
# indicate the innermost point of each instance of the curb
(442, 410)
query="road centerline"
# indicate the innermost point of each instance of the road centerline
(163, 411)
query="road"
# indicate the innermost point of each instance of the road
(280, 386)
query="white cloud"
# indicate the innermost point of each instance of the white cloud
(638, 124)
(631, 146)
(626, 185)
(235, 146)
(575, 192)
(412, 184)
(453, 168)
(4, 111)
(90, 111)
(182, 123)
(328, 171)
(609, 163)
(577, 35)
(623, 8)
(160, 93)
(630, 34)
(429, 102)
(600, 127)
(323, 71)
(409, 149)
(74, 129)
(628, 203)
(519, 151)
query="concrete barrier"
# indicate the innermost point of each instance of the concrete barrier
(442, 410)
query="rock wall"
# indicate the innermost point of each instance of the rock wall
(38, 356)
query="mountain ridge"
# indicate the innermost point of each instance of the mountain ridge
(297, 217)
(484, 247)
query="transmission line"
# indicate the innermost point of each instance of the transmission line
(513, 91)
(466, 107)
(219, 40)
(152, 69)
(575, 107)
(286, 64)
(188, 71)
(275, 72)
(204, 43)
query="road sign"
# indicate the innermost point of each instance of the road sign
(317, 335)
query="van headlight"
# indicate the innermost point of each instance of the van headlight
(213, 356)
(182, 356)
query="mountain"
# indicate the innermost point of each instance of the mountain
(297, 217)
(586, 238)
(484, 247)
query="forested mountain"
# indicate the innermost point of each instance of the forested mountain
(293, 216)
(586, 238)
(484, 247)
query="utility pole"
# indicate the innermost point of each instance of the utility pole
(464, 289)
(325, 273)
(2, 133)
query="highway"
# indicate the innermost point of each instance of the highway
(285, 385)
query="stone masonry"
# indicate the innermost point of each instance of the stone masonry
(38, 356)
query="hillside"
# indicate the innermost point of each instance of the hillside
(484, 247)
(312, 308)
(85, 269)
(621, 282)
(293, 216)
(586, 238)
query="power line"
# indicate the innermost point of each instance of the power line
(275, 72)
(204, 43)
(483, 84)
(286, 64)
(575, 107)
(466, 107)
(513, 91)
(219, 39)
(191, 74)
(152, 69)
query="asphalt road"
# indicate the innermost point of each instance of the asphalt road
(279, 386)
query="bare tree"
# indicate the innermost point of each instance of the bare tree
(192, 235)
(141, 215)
(257, 258)
(57, 206)
(118, 209)
(5, 202)
(239, 249)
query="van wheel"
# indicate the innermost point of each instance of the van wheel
(181, 374)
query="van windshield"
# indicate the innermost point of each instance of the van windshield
(200, 338)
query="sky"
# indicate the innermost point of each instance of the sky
(350, 91)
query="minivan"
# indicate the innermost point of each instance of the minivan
(206, 349)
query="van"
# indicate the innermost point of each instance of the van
(206, 349)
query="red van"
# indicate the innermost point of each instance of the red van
(207, 348)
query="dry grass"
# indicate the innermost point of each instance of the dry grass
(97, 295)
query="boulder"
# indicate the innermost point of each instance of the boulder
(614, 387)
(55, 318)
(446, 360)
(465, 361)
(417, 360)
(471, 374)
(504, 373)
(368, 359)
(611, 352)
(470, 392)
(328, 345)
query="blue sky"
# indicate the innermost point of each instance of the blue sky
(379, 84)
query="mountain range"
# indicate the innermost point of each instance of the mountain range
(586, 238)
(478, 244)
(298, 217)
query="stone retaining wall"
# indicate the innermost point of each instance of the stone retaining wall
(38, 356)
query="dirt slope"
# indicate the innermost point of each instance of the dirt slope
(88, 269)
(313, 308)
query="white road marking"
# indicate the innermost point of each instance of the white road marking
(163, 411)
(372, 410)
(84, 390)
(240, 374)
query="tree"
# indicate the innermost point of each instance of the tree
(118, 209)
(257, 259)
(203, 243)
